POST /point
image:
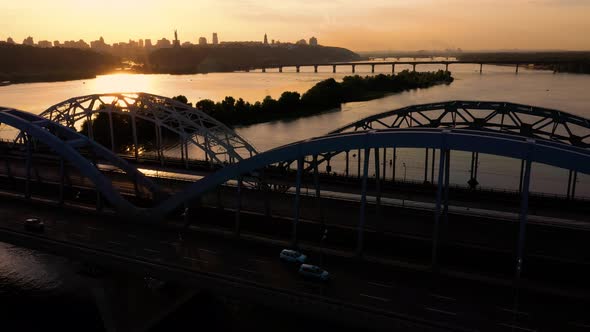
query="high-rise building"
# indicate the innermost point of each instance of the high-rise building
(265, 39)
(176, 41)
(10, 40)
(202, 41)
(148, 43)
(141, 43)
(44, 44)
(29, 41)
(215, 40)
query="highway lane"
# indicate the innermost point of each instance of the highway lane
(383, 287)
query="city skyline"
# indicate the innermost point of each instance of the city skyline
(422, 24)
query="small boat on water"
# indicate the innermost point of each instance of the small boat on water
(5, 83)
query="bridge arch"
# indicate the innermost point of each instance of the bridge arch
(74, 147)
(495, 143)
(219, 143)
(510, 118)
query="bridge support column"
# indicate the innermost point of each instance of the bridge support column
(437, 211)
(473, 171)
(334, 69)
(393, 68)
(353, 69)
(112, 131)
(361, 225)
(569, 183)
(384, 164)
(316, 183)
(263, 70)
(315, 68)
(359, 164)
(29, 163)
(372, 68)
(426, 166)
(297, 68)
(446, 67)
(378, 187)
(517, 65)
(297, 200)
(481, 68)
(238, 207)
(524, 206)
(134, 133)
(575, 180)
(414, 67)
(346, 167)
(432, 170)
(280, 69)
(394, 163)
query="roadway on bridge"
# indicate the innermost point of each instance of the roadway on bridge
(385, 288)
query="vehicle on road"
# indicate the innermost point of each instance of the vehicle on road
(292, 256)
(314, 272)
(34, 225)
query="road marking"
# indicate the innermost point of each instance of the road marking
(443, 297)
(209, 251)
(152, 250)
(249, 271)
(441, 311)
(517, 327)
(116, 243)
(379, 285)
(258, 260)
(515, 311)
(375, 297)
(95, 228)
(196, 260)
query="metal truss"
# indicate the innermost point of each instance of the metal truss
(524, 120)
(495, 143)
(79, 151)
(219, 143)
(509, 118)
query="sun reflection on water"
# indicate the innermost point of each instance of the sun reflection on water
(123, 82)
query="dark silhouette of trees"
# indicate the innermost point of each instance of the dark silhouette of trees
(20, 63)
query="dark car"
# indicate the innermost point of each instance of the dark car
(34, 225)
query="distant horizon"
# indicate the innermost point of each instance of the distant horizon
(380, 25)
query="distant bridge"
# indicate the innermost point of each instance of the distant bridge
(393, 64)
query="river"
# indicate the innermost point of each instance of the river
(28, 276)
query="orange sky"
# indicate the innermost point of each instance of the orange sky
(358, 25)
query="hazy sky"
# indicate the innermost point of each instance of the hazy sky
(358, 25)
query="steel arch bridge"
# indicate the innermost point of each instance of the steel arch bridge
(524, 120)
(219, 143)
(81, 152)
(509, 118)
(494, 143)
